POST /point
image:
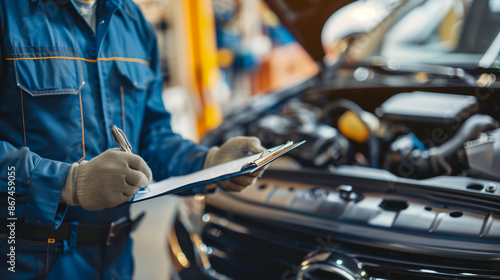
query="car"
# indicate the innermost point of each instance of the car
(399, 176)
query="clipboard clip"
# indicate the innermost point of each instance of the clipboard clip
(271, 154)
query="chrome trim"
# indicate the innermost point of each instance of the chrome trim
(326, 267)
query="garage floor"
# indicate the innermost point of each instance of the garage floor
(150, 239)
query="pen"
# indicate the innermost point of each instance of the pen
(121, 139)
(124, 144)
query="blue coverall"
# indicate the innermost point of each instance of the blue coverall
(61, 87)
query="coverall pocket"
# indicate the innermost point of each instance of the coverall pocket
(135, 79)
(32, 259)
(133, 83)
(52, 114)
(51, 76)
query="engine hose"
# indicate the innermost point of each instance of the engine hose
(340, 104)
(435, 161)
(469, 130)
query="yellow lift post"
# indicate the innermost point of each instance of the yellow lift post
(201, 61)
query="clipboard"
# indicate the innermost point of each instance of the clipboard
(212, 174)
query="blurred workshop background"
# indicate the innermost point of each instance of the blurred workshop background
(215, 55)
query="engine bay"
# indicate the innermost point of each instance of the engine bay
(414, 134)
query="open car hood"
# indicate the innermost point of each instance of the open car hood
(305, 20)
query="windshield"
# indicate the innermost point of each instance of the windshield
(444, 32)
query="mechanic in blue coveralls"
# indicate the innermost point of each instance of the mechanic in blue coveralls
(69, 70)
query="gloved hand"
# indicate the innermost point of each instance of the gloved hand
(106, 181)
(235, 148)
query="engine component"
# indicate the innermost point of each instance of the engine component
(427, 107)
(355, 127)
(355, 123)
(433, 117)
(483, 155)
(324, 144)
(409, 159)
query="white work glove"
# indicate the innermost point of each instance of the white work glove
(232, 149)
(106, 181)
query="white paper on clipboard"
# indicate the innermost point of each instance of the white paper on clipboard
(212, 174)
